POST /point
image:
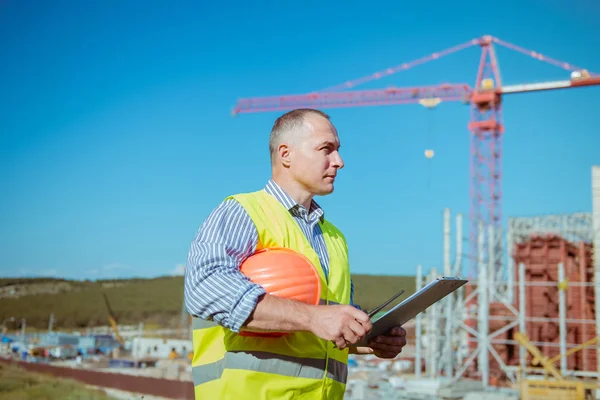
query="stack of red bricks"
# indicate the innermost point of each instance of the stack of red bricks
(541, 256)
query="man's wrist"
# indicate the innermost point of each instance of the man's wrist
(307, 317)
(280, 314)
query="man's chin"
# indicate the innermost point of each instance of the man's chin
(325, 190)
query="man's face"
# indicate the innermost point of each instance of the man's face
(315, 157)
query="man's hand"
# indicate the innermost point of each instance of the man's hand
(385, 346)
(342, 324)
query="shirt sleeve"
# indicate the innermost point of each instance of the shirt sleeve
(214, 288)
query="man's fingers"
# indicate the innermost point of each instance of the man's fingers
(366, 325)
(350, 336)
(357, 328)
(386, 348)
(390, 340)
(385, 354)
(395, 347)
(397, 331)
(383, 347)
(360, 316)
(340, 342)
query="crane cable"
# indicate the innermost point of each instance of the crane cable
(429, 104)
(429, 152)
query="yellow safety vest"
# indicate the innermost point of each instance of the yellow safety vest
(298, 365)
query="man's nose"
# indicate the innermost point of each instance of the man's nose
(338, 160)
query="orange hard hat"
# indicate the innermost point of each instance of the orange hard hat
(285, 273)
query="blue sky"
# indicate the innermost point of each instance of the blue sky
(117, 140)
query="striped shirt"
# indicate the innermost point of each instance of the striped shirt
(215, 289)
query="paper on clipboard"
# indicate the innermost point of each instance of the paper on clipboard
(413, 305)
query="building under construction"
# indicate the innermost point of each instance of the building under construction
(531, 320)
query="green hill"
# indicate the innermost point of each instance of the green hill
(80, 304)
(18, 383)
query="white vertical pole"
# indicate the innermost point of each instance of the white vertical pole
(459, 239)
(430, 330)
(510, 266)
(433, 333)
(596, 225)
(447, 268)
(51, 323)
(562, 310)
(463, 344)
(23, 334)
(522, 316)
(482, 323)
(418, 328)
(491, 263)
(448, 356)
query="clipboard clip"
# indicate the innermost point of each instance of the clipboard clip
(380, 307)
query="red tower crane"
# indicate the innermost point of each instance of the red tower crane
(485, 125)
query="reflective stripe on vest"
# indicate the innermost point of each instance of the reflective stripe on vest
(260, 361)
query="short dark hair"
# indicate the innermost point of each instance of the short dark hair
(289, 121)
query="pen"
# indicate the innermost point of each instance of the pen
(377, 309)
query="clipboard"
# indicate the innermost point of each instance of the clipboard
(400, 314)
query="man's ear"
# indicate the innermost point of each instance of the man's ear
(284, 153)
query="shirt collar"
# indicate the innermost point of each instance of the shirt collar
(289, 203)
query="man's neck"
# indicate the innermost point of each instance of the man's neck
(294, 191)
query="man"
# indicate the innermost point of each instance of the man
(310, 361)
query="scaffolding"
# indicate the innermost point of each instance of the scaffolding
(456, 336)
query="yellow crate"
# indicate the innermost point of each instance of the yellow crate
(552, 390)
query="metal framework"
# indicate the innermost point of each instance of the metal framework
(486, 124)
(458, 335)
(486, 149)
